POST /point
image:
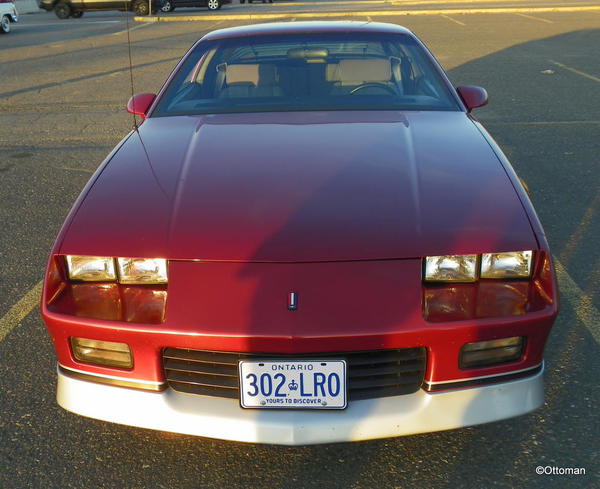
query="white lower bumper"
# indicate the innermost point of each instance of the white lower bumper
(361, 420)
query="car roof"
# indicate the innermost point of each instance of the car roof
(306, 28)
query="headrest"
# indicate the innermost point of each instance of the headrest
(357, 71)
(254, 74)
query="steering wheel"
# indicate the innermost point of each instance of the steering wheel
(374, 85)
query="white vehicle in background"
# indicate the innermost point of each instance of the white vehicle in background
(8, 14)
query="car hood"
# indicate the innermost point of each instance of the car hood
(303, 186)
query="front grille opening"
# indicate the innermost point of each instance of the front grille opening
(371, 374)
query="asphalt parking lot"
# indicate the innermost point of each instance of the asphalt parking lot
(63, 89)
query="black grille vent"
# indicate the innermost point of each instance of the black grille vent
(371, 374)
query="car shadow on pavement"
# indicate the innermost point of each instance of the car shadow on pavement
(565, 430)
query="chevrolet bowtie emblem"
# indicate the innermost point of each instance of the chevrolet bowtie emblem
(292, 301)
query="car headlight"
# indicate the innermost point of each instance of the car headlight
(468, 268)
(516, 264)
(451, 268)
(102, 352)
(142, 270)
(91, 268)
(491, 352)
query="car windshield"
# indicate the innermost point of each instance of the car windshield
(334, 71)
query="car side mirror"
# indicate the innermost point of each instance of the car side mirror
(473, 97)
(140, 103)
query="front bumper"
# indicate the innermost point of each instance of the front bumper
(363, 420)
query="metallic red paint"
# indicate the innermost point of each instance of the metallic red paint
(338, 207)
(302, 187)
(342, 306)
(282, 28)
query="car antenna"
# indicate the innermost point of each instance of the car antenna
(135, 125)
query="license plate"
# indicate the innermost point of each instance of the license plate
(300, 384)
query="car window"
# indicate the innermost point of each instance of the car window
(306, 72)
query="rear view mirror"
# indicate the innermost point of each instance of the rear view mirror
(140, 103)
(473, 97)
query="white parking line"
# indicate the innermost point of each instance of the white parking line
(131, 29)
(582, 304)
(542, 123)
(539, 19)
(573, 70)
(454, 20)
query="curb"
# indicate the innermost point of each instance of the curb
(376, 13)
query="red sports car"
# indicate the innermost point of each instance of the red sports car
(308, 239)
